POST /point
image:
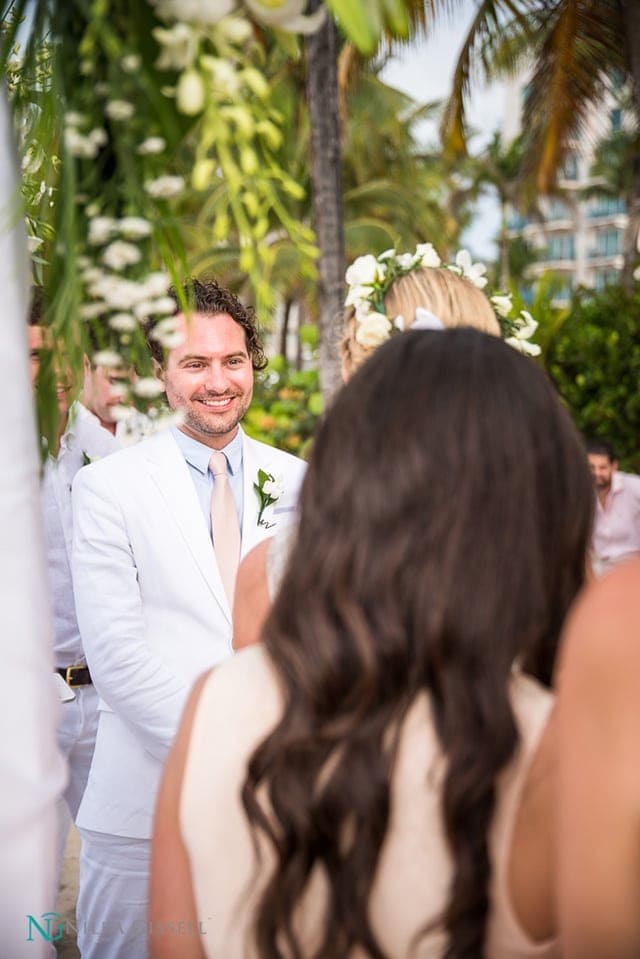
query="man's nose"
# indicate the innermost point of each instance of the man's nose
(216, 380)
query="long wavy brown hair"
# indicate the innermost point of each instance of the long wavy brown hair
(444, 525)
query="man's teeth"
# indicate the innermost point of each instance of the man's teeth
(215, 403)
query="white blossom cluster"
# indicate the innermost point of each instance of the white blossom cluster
(369, 278)
(286, 15)
(124, 301)
(84, 145)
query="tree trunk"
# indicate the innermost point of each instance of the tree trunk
(284, 329)
(505, 275)
(326, 184)
(631, 18)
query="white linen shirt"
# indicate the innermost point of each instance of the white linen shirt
(616, 531)
(84, 440)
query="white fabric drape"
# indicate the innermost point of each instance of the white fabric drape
(31, 770)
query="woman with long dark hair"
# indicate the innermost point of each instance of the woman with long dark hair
(374, 780)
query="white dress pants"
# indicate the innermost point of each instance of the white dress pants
(77, 740)
(111, 913)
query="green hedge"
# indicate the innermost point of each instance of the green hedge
(594, 359)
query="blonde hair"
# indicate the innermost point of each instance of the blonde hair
(452, 298)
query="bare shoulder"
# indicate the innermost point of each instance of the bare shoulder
(252, 601)
(599, 684)
(254, 565)
(603, 629)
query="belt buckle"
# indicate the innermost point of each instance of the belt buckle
(69, 675)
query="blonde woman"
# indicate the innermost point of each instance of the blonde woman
(387, 294)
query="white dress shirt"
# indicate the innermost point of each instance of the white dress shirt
(84, 440)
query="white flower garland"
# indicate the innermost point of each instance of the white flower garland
(370, 277)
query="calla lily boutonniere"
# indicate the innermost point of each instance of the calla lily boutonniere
(269, 489)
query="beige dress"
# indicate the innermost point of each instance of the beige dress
(240, 704)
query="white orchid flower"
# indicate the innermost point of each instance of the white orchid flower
(527, 325)
(135, 227)
(164, 187)
(274, 488)
(148, 387)
(178, 46)
(120, 254)
(357, 297)
(151, 145)
(405, 261)
(523, 346)
(428, 255)
(474, 272)
(190, 93)
(196, 11)
(156, 284)
(286, 15)
(235, 29)
(373, 330)
(123, 322)
(364, 271)
(101, 228)
(119, 109)
(502, 304)
(107, 358)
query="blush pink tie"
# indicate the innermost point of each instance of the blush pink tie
(224, 524)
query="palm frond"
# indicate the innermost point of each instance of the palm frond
(582, 45)
(474, 62)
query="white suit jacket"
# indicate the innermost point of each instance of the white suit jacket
(152, 609)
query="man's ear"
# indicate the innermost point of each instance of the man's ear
(86, 363)
(614, 465)
(158, 370)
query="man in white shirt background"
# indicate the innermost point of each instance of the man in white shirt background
(86, 432)
(616, 528)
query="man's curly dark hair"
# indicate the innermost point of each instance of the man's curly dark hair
(209, 297)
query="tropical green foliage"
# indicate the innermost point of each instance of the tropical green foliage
(286, 406)
(594, 359)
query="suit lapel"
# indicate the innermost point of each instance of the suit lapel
(255, 456)
(170, 473)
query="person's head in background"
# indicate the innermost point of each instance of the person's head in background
(602, 463)
(103, 388)
(42, 357)
(451, 299)
(444, 526)
(100, 391)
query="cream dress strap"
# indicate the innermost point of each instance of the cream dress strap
(506, 939)
(277, 556)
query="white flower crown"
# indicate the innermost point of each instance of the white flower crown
(369, 278)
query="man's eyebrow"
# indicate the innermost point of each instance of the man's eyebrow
(205, 358)
(193, 356)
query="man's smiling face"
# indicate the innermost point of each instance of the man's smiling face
(209, 377)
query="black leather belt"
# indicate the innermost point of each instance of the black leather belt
(75, 675)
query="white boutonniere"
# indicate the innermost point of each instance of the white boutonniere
(269, 489)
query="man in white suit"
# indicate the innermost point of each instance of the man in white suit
(152, 607)
(86, 431)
